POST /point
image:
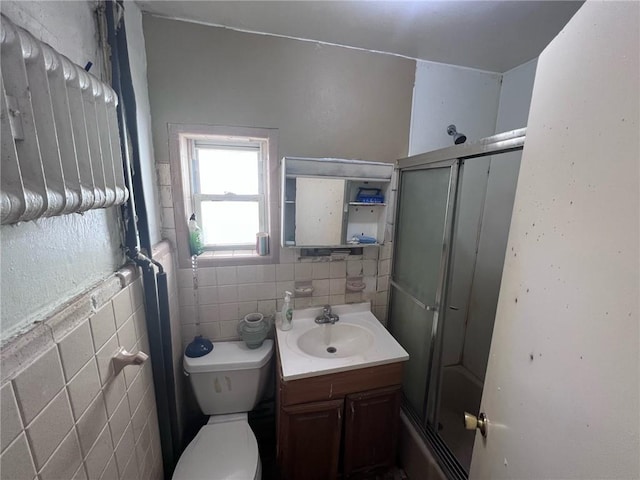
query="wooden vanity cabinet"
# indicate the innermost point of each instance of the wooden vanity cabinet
(311, 435)
(371, 430)
(340, 425)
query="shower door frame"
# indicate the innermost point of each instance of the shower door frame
(453, 157)
(452, 192)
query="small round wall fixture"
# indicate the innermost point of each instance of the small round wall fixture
(458, 138)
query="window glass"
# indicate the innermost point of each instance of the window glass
(223, 171)
(226, 182)
(230, 223)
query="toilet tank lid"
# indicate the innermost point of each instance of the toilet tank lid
(230, 356)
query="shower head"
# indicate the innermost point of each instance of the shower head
(458, 138)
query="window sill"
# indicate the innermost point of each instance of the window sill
(234, 258)
(229, 254)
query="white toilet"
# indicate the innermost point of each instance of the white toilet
(228, 382)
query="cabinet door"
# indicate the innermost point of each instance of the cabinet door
(371, 430)
(309, 440)
(319, 211)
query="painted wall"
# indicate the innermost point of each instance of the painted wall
(48, 261)
(513, 110)
(563, 381)
(515, 97)
(325, 101)
(446, 94)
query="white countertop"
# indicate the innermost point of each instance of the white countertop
(297, 364)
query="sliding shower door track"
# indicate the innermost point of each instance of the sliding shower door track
(445, 459)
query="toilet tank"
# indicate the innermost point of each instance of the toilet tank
(231, 378)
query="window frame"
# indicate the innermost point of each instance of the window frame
(183, 141)
(197, 197)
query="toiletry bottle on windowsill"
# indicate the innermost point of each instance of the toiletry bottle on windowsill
(195, 237)
(287, 313)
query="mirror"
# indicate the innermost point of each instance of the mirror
(319, 211)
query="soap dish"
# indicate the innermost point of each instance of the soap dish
(306, 290)
(355, 286)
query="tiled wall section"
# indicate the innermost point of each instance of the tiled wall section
(168, 230)
(227, 294)
(64, 413)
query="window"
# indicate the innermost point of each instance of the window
(228, 179)
(228, 191)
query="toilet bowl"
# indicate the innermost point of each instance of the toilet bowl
(222, 449)
(227, 382)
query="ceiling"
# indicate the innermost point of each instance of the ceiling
(489, 35)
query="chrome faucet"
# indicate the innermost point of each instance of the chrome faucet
(327, 316)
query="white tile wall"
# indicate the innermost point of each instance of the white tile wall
(48, 429)
(100, 454)
(122, 307)
(64, 462)
(320, 270)
(303, 271)
(246, 274)
(38, 384)
(76, 349)
(16, 460)
(103, 326)
(337, 286)
(227, 275)
(246, 289)
(84, 387)
(64, 413)
(284, 272)
(354, 268)
(166, 197)
(10, 418)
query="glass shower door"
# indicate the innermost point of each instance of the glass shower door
(422, 243)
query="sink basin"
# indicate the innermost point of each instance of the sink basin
(357, 340)
(335, 341)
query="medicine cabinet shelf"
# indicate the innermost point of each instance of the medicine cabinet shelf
(320, 206)
(365, 204)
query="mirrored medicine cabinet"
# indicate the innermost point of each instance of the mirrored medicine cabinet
(329, 202)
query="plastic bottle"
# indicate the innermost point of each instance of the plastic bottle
(287, 313)
(195, 237)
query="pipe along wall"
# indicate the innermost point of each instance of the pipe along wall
(138, 243)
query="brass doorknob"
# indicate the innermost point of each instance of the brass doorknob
(481, 422)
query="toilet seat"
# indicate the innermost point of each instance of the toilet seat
(225, 450)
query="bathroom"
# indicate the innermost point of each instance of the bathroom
(65, 414)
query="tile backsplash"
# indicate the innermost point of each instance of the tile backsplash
(64, 413)
(226, 294)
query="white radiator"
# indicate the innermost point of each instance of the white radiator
(59, 136)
